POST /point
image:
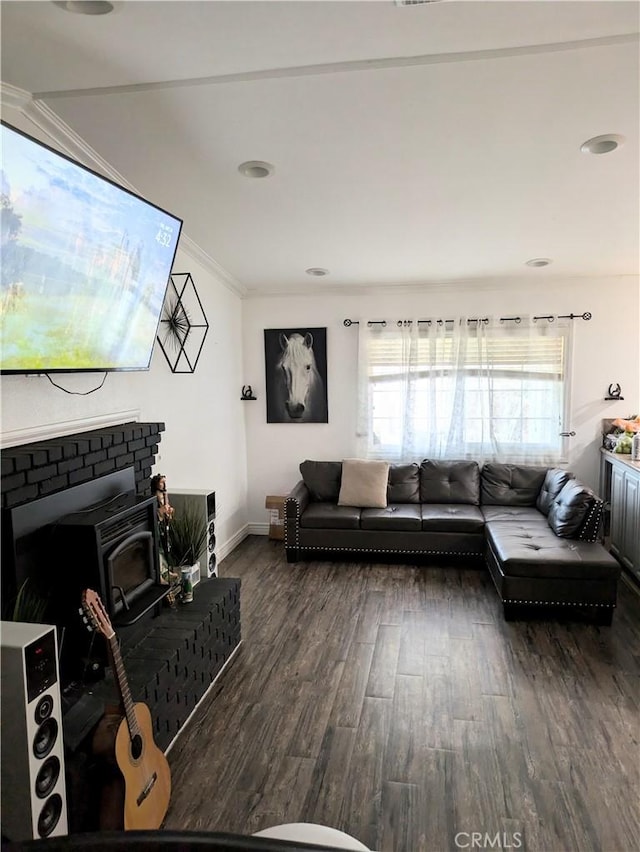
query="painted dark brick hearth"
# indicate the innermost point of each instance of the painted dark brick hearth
(34, 470)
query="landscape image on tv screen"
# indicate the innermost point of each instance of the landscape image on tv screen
(85, 265)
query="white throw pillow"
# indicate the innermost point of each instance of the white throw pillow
(364, 484)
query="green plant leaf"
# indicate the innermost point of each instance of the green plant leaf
(187, 537)
(30, 605)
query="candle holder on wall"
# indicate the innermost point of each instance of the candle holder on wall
(183, 325)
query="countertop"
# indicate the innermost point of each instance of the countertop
(622, 458)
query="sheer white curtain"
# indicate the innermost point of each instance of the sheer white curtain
(487, 390)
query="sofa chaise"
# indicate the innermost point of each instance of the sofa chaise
(534, 528)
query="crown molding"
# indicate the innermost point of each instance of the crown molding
(70, 143)
(466, 285)
(200, 256)
(13, 98)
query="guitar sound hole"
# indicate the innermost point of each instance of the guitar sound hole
(136, 747)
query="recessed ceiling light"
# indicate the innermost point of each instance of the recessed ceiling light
(602, 144)
(318, 271)
(539, 261)
(85, 7)
(256, 169)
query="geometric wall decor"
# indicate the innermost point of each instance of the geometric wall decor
(183, 325)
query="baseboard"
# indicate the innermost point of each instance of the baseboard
(231, 543)
(237, 538)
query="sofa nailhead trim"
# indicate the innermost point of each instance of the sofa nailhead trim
(520, 602)
(589, 532)
(380, 550)
(286, 536)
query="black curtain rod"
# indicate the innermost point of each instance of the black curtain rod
(550, 317)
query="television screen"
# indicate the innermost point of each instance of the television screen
(85, 265)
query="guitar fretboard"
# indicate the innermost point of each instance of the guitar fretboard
(123, 686)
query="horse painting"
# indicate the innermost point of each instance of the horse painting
(296, 390)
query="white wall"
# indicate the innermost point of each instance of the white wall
(204, 445)
(606, 350)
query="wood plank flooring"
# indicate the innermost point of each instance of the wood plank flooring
(394, 703)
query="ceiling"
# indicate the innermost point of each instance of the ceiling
(412, 145)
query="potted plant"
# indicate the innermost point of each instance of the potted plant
(187, 539)
(29, 605)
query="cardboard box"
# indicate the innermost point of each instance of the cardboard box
(276, 516)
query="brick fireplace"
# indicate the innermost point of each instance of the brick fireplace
(45, 482)
(31, 471)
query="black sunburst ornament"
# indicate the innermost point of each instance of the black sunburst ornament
(183, 325)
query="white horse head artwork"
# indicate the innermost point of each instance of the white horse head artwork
(298, 391)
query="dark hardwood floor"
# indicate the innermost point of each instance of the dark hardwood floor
(394, 703)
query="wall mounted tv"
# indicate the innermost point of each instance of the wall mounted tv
(85, 265)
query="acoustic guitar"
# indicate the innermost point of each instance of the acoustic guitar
(146, 773)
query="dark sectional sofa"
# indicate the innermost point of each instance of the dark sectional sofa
(535, 528)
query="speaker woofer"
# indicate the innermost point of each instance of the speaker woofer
(47, 776)
(212, 544)
(44, 708)
(212, 563)
(49, 815)
(45, 738)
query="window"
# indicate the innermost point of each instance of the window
(464, 389)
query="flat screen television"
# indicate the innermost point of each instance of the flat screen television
(85, 265)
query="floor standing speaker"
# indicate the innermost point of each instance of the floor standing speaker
(33, 780)
(203, 502)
